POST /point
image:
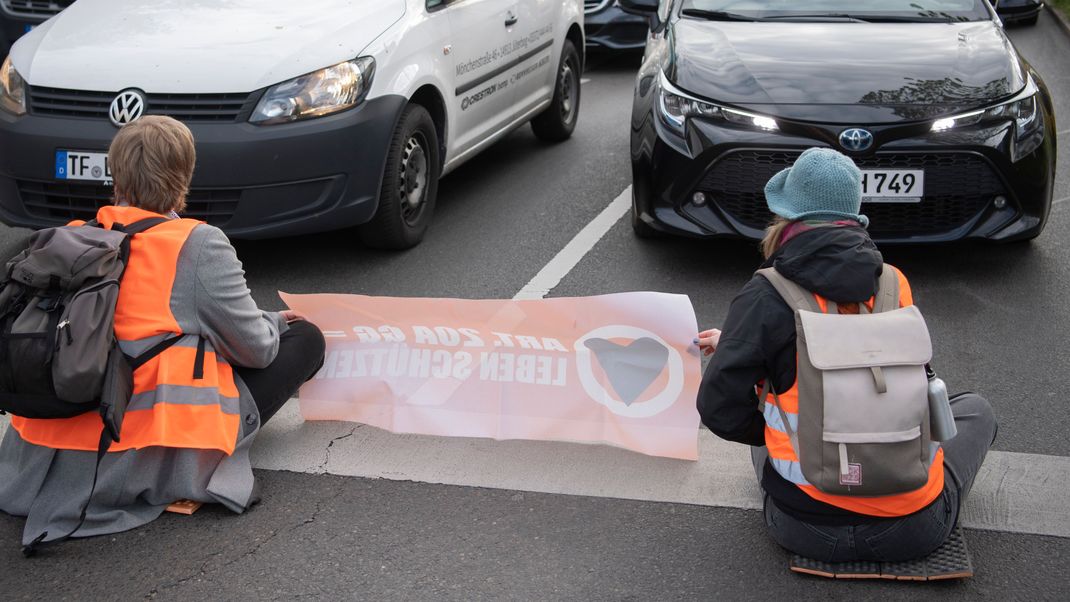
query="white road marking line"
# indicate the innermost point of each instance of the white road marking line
(1015, 492)
(1062, 200)
(1064, 132)
(585, 80)
(566, 259)
(336, 334)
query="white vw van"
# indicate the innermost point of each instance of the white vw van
(309, 116)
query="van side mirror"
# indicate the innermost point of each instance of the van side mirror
(645, 8)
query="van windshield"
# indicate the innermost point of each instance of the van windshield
(871, 11)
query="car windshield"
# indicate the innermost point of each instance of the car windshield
(878, 11)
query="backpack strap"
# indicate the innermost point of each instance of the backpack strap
(794, 295)
(141, 225)
(887, 297)
(767, 388)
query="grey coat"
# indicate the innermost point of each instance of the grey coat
(209, 298)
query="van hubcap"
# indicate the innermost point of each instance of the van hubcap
(568, 84)
(413, 178)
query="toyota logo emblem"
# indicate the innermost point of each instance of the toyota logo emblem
(856, 139)
(128, 106)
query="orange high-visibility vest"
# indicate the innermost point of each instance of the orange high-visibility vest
(786, 463)
(185, 397)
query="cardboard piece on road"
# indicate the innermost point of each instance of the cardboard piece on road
(619, 369)
(186, 507)
(949, 561)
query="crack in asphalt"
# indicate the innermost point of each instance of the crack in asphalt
(330, 444)
(204, 569)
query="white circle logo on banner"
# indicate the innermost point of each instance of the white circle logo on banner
(630, 370)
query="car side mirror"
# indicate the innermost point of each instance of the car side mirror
(645, 8)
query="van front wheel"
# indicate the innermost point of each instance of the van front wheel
(410, 184)
(558, 121)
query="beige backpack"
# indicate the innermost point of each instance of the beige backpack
(863, 422)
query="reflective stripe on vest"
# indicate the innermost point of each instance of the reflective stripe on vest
(170, 407)
(783, 459)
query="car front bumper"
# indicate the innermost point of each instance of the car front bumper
(1014, 12)
(613, 29)
(251, 181)
(973, 189)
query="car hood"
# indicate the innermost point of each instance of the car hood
(867, 72)
(197, 46)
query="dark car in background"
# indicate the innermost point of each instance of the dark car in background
(608, 27)
(1025, 12)
(18, 17)
(954, 131)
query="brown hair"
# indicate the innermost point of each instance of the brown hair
(151, 162)
(773, 233)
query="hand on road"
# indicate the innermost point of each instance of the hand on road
(707, 341)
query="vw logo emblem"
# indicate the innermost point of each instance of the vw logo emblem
(856, 139)
(128, 106)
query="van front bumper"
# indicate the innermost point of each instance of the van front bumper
(251, 181)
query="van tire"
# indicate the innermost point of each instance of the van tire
(410, 184)
(559, 119)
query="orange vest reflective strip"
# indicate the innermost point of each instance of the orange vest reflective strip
(783, 459)
(170, 407)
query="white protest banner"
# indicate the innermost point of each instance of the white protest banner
(618, 369)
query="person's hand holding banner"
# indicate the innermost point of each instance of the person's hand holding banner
(617, 369)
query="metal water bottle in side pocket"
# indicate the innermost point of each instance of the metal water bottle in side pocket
(941, 420)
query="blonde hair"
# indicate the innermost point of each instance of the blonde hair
(151, 162)
(774, 232)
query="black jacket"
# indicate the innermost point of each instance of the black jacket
(758, 342)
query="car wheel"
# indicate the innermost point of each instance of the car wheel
(558, 121)
(641, 228)
(410, 184)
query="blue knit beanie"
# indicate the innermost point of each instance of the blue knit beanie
(822, 185)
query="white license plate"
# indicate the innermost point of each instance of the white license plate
(79, 165)
(893, 185)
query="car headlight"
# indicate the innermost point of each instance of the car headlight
(1023, 111)
(337, 88)
(12, 89)
(676, 107)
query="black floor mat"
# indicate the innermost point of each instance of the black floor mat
(949, 561)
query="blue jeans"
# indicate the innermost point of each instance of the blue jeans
(913, 536)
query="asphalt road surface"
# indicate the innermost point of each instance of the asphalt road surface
(999, 317)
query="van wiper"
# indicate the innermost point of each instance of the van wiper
(717, 15)
(816, 16)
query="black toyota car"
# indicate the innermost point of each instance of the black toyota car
(954, 131)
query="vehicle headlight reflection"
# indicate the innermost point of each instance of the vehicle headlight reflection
(317, 94)
(676, 107)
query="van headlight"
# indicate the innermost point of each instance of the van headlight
(12, 89)
(324, 92)
(675, 107)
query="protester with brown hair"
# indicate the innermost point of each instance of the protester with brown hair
(225, 369)
(818, 241)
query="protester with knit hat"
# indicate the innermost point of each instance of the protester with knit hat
(818, 240)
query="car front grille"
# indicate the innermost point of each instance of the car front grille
(39, 9)
(184, 107)
(63, 202)
(593, 6)
(958, 186)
